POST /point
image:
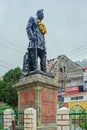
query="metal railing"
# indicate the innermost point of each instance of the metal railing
(78, 121)
(19, 119)
(1, 121)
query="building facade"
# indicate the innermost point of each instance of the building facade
(78, 99)
(69, 77)
(67, 73)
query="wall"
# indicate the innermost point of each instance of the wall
(70, 103)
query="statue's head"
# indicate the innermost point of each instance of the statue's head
(40, 14)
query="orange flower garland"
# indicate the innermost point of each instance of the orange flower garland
(41, 27)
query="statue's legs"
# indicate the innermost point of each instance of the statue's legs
(25, 64)
(32, 59)
(42, 56)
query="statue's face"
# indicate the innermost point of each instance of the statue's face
(40, 15)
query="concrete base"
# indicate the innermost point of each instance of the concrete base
(48, 127)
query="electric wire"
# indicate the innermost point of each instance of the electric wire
(76, 52)
(12, 44)
(78, 48)
(4, 66)
(7, 44)
(11, 48)
(79, 51)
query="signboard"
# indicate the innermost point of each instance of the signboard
(72, 90)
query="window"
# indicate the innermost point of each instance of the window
(68, 80)
(61, 70)
(80, 97)
(73, 98)
(77, 98)
(85, 85)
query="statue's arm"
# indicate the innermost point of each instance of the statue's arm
(29, 28)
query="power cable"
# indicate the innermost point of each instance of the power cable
(4, 66)
(78, 48)
(5, 62)
(70, 52)
(11, 43)
(78, 52)
(8, 45)
(12, 48)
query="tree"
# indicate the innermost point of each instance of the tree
(12, 75)
(2, 91)
(8, 94)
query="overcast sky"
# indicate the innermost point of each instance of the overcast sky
(66, 22)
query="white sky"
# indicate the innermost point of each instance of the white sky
(66, 22)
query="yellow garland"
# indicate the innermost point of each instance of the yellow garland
(41, 27)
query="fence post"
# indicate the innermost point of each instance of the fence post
(14, 125)
(30, 119)
(8, 117)
(63, 122)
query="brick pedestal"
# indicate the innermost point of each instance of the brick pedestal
(39, 92)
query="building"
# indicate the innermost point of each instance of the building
(85, 79)
(69, 77)
(76, 99)
(67, 73)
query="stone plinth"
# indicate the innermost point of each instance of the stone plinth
(39, 92)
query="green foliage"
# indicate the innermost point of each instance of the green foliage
(79, 117)
(12, 75)
(3, 107)
(1, 127)
(83, 120)
(7, 93)
(2, 91)
(61, 104)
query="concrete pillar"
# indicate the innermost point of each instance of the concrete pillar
(63, 122)
(8, 117)
(30, 119)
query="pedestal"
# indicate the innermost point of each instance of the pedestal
(40, 92)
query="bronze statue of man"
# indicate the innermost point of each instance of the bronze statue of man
(37, 48)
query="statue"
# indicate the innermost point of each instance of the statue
(37, 48)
